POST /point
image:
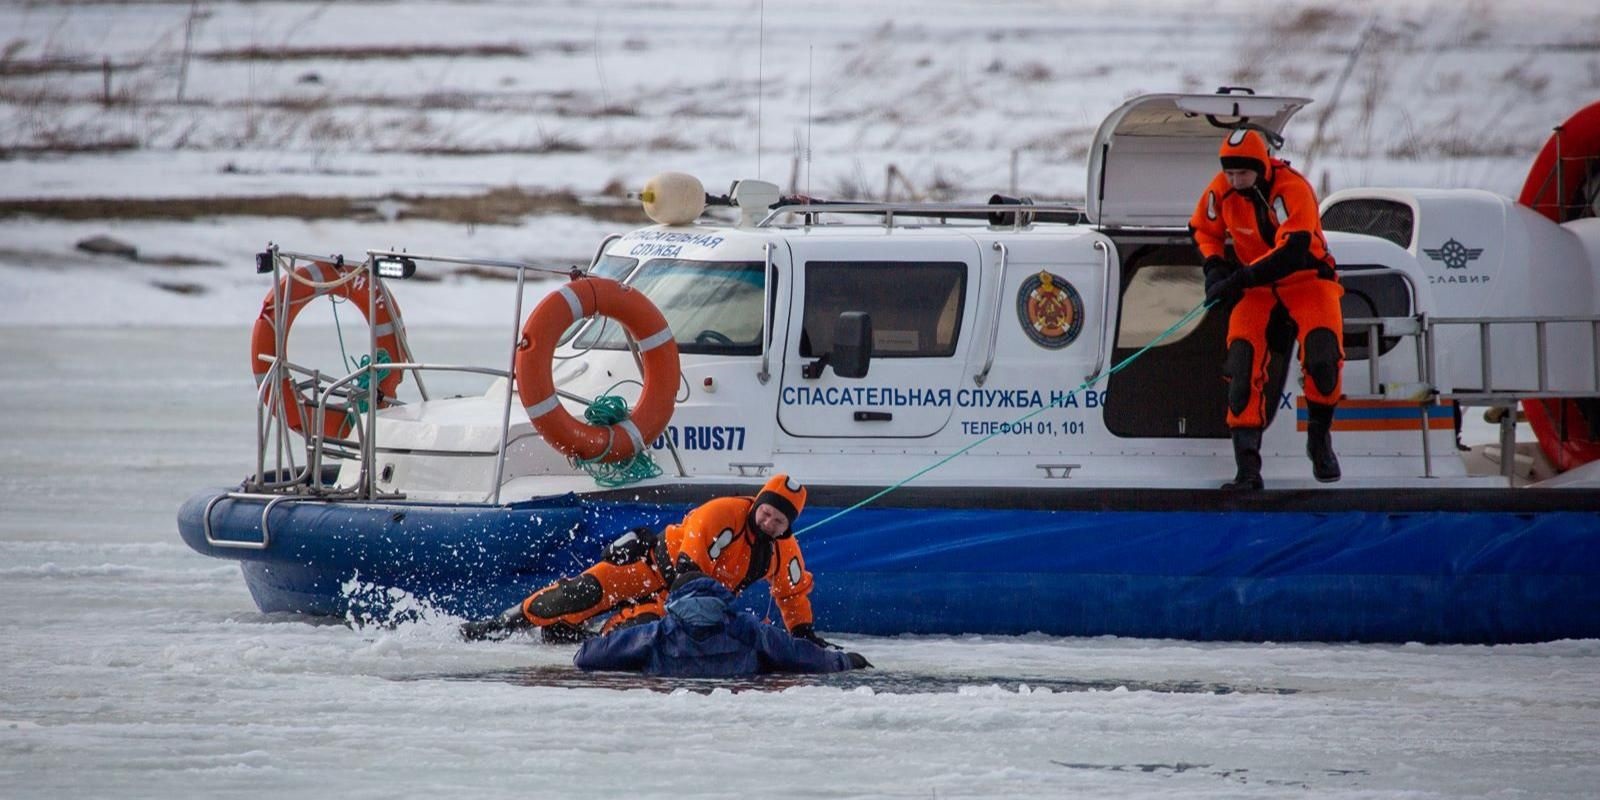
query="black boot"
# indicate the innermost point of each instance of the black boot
(1319, 442)
(1247, 453)
(564, 633)
(496, 628)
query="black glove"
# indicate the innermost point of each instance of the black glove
(1222, 275)
(1217, 269)
(1229, 289)
(686, 571)
(809, 633)
(496, 628)
(858, 661)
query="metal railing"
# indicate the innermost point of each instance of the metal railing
(1012, 216)
(1494, 390)
(279, 473)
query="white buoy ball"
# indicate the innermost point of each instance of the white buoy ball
(673, 198)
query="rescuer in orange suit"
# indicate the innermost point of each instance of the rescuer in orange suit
(1282, 282)
(736, 540)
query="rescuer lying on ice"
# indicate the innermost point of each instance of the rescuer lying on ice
(701, 637)
(736, 540)
(1282, 287)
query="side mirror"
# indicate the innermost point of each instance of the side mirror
(852, 348)
(852, 344)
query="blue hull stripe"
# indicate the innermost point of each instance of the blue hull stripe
(1430, 576)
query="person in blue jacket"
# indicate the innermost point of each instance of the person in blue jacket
(703, 637)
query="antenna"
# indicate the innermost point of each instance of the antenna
(810, 59)
(600, 70)
(761, 45)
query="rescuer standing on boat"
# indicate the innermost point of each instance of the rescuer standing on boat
(736, 540)
(1280, 278)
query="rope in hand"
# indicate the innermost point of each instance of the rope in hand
(1092, 380)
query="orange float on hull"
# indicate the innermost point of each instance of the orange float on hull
(263, 339)
(658, 351)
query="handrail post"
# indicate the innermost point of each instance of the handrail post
(767, 294)
(1428, 354)
(281, 334)
(1594, 326)
(994, 322)
(369, 449)
(511, 377)
(1112, 287)
(1484, 360)
(314, 432)
(1561, 188)
(1428, 401)
(1427, 427)
(599, 253)
(1539, 355)
(1508, 443)
(1373, 346)
(263, 409)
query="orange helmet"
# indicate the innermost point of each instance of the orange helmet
(784, 494)
(1245, 149)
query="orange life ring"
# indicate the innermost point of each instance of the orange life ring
(264, 342)
(658, 351)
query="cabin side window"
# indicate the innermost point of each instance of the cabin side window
(915, 306)
(712, 306)
(1370, 216)
(1157, 296)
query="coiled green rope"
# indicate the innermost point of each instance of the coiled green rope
(607, 410)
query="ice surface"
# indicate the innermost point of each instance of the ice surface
(137, 668)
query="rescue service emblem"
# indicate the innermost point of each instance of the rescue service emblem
(1050, 310)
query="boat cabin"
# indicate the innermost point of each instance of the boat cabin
(859, 343)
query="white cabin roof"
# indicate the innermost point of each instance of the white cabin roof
(1152, 157)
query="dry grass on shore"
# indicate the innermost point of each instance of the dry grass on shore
(497, 206)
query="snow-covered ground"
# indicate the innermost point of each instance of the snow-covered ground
(323, 96)
(376, 100)
(135, 668)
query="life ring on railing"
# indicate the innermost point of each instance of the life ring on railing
(658, 351)
(340, 282)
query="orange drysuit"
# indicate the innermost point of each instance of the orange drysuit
(718, 539)
(1277, 237)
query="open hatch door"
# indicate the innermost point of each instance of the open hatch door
(1153, 156)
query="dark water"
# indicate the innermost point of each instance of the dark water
(882, 681)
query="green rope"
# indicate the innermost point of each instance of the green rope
(364, 380)
(1025, 417)
(608, 410)
(338, 328)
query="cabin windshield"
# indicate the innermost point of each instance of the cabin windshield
(711, 306)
